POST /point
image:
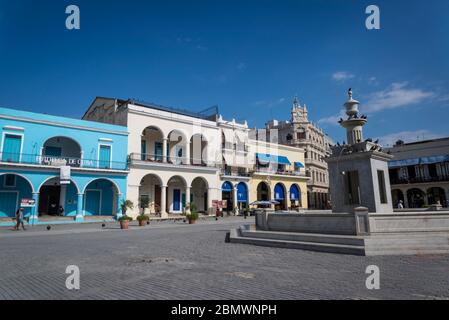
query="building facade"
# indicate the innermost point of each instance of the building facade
(278, 174)
(177, 158)
(66, 167)
(300, 132)
(173, 155)
(419, 173)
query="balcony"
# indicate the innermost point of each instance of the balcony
(395, 181)
(280, 172)
(227, 172)
(158, 159)
(55, 162)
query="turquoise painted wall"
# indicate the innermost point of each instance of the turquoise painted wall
(38, 128)
(24, 191)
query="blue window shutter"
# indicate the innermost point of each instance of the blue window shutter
(11, 148)
(105, 157)
(143, 149)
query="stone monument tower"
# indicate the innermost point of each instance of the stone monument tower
(358, 169)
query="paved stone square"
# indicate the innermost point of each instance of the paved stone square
(170, 260)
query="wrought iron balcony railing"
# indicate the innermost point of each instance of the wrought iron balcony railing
(419, 180)
(178, 161)
(53, 161)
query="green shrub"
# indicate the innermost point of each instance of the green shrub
(143, 217)
(193, 216)
(125, 218)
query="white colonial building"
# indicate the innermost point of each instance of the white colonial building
(174, 154)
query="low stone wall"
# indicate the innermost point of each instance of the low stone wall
(427, 221)
(358, 223)
(326, 223)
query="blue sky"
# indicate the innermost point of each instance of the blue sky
(248, 57)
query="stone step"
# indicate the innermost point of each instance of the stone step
(236, 237)
(410, 244)
(304, 237)
(406, 251)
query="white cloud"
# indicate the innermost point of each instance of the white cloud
(395, 96)
(342, 76)
(333, 120)
(408, 136)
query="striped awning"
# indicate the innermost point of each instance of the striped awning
(269, 158)
(416, 161)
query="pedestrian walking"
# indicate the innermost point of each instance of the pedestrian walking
(19, 219)
(400, 205)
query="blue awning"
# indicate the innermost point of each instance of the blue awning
(242, 192)
(416, 161)
(269, 158)
(299, 165)
(403, 163)
(434, 159)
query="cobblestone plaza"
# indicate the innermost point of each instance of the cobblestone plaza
(170, 260)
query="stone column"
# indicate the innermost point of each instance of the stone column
(188, 199)
(210, 196)
(34, 217)
(406, 204)
(79, 208)
(62, 196)
(118, 209)
(187, 156)
(235, 198)
(164, 149)
(164, 213)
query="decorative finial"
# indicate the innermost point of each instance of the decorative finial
(296, 101)
(350, 93)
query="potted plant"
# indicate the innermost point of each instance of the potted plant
(124, 222)
(124, 219)
(143, 219)
(193, 215)
(125, 205)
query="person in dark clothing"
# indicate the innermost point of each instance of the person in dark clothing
(19, 219)
(61, 211)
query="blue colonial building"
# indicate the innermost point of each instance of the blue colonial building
(55, 166)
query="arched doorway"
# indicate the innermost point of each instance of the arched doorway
(280, 196)
(14, 188)
(198, 150)
(176, 187)
(63, 151)
(397, 195)
(415, 198)
(56, 199)
(152, 144)
(295, 197)
(227, 190)
(436, 195)
(242, 195)
(263, 192)
(177, 145)
(198, 194)
(100, 198)
(150, 193)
